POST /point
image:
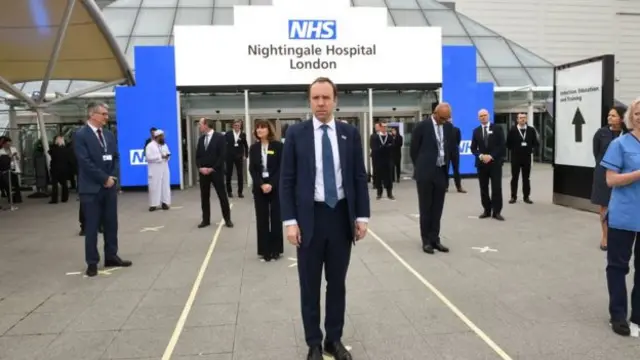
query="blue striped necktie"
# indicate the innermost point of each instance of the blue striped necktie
(328, 170)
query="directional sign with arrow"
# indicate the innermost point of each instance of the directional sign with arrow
(578, 122)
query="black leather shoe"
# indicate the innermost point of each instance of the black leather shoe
(117, 262)
(241, 196)
(484, 215)
(512, 201)
(315, 353)
(337, 350)
(441, 248)
(228, 223)
(621, 327)
(428, 249)
(528, 201)
(92, 270)
(165, 206)
(498, 217)
(152, 208)
(203, 224)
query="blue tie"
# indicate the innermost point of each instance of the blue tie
(328, 171)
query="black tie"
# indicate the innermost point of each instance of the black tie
(485, 138)
(101, 139)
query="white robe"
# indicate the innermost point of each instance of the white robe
(159, 177)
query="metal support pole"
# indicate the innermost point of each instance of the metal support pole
(64, 25)
(190, 150)
(43, 135)
(368, 129)
(179, 136)
(530, 110)
(248, 131)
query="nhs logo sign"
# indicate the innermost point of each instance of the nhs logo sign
(465, 147)
(312, 30)
(136, 157)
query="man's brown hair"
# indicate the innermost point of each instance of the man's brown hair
(323, 79)
(262, 123)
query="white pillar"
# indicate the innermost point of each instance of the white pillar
(43, 135)
(530, 111)
(368, 129)
(248, 130)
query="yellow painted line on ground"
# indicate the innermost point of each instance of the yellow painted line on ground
(168, 352)
(481, 334)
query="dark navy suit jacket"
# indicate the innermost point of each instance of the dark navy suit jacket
(298, 176)
(93, 170)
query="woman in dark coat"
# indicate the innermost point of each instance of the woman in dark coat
(60, 169)
(600, 192)
(264, 166)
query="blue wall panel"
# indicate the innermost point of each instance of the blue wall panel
(459, 78)
(151, 103)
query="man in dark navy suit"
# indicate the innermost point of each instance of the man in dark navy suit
(98, 162)
(325, 209)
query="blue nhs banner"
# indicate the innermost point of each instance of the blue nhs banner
(312, 30)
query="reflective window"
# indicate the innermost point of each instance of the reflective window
(223, 16)
(230, 3)
(527, 57)
(496, 52)
(125, 4)
(54, 86)
(484, 75)
(447, 20)
(195, 3)
(160, 3)
(120, 21)
(408, 17)
(193, 16)
(379, 3)
(542, 76)
(511, 76)
(144, 41)
(81, 85)
(154, 22)
(402, 4)
(456, 40)
(431, 4)
(474, 28)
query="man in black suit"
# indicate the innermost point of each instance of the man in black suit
(98, 163)
(488, 146)
(430, 153)
(396, 153)
(381, 159)
(210, 157)
(455, 158)
(521, 141)
(325, 208)
(237, 151)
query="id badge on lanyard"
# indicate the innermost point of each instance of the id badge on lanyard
(524, 137)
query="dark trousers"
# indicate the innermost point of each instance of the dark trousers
(431, 194)
(330, 246)
(397, 161)
(519, 164)
(237, 162)
(217, 180)
(15, 186)
(620, 245)
(54, 189)
(268, 223)
(97, 208)
(454, 162)
(491, 173)
(383, 171)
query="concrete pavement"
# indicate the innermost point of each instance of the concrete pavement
(532, 287)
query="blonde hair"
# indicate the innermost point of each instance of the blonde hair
(628, 115)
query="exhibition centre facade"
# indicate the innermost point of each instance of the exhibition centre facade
(228, 60)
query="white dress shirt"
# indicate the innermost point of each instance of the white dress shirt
(95, 132)
(337, 168)
(207, 138)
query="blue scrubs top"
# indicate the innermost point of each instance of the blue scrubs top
(623, 156)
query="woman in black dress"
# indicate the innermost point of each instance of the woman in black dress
(264, 166)
(600, 192)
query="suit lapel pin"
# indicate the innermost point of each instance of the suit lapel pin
(344, 137)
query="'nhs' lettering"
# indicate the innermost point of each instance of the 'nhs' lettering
(136, 157)
(312, 29)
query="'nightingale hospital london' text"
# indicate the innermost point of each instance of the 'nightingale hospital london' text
(298, 54)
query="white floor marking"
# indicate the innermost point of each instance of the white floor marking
(106, 272)
(484, 249)
(472, 217)
(329, 357)
(176, 207)
(168, 352)
(153, 228)
(481, 334)
(295, 262)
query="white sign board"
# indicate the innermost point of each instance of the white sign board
(293, 43)
(578, 109)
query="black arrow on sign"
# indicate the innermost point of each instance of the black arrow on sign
(578, 121)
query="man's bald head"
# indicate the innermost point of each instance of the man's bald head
(483, 116)
(442, 113)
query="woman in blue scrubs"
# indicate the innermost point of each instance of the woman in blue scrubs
(622, 161)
